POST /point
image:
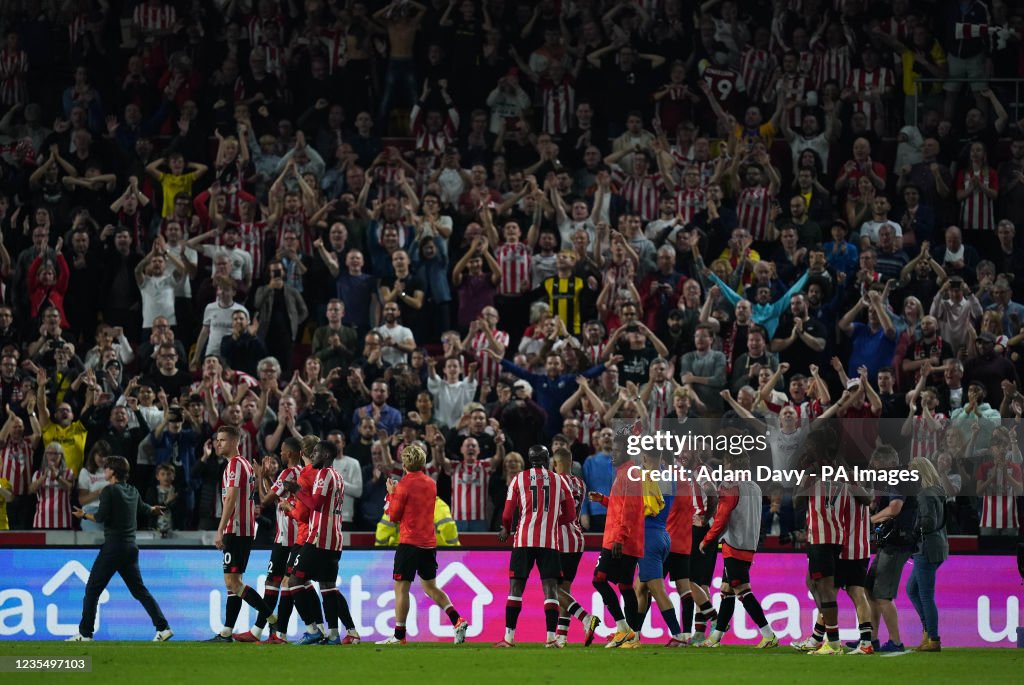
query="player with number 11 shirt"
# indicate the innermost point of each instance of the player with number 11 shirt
(544, 505)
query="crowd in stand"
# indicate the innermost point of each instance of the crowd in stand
(485, 225)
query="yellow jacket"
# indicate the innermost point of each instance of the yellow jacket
(654, 501)
(444, 528)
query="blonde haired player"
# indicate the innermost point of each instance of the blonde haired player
(410, 504)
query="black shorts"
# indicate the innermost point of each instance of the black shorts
(521, 562)
(411, 561)
(570, 563)
(851, 573)
(702, 564)
(293, 555)
(236, 553)
(279, 561)
(737, 571)
(320, 565)
(619, 570)
(677, 566)
(822, 561)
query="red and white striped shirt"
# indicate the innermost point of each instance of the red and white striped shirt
(251, 236)
(325, 520)
(753, 210)
(896, 28)
(594, 353)
(823, 525)
(469, 490)
(557, 99)
(641, 193)
(154, 19)
(659, 404)
(276, 61)
(571, 534)
(690, 201)
(298, 222)
(855, 519)
(834, 65)
(336, 43)
(795, 86)
(590, 424)
(977, 210)
(16, 465)
(861, 81)
(515, 260)
(433, 141)
(540, 496)
(756, 68)
(490, 368)
(925, 439)
(1000, 510)
(53, 502)
(77, 29)
(13, 68)
(697, 494)
(256, 28)
(287, 527)
(806, 411)
(807, 63)
(238, 474)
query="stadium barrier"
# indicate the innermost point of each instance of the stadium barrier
(958, 544)
(41, 597)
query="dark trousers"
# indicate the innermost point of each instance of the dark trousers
(122, 558)
(21, 511)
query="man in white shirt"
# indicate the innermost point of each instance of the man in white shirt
(397, 340)
(452, 393)
(241, 260)
(157, 285)
(879, 217)
(175, 245)
(351, 475)
(217, 318)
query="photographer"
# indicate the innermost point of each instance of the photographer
(281, 309)
(931, 507)
(175, 442)
(895, 521)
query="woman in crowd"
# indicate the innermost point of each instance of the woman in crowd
(931, 518)
(52, 485)
(91, 482)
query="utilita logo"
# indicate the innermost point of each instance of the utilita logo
(17, 606)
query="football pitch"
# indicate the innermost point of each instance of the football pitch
(479, 664)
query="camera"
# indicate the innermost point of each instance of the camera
(322, 402)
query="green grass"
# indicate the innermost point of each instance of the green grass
(124, 663)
